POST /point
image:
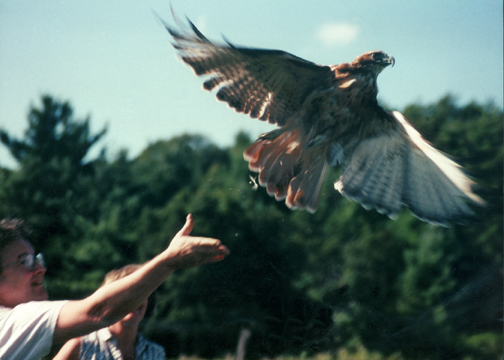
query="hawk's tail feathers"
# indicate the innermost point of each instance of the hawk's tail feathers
(286, 169)
(304, 188)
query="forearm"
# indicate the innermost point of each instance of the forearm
(111, 302)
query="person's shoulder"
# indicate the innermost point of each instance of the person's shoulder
(40, 305)
(4, 311)
(31, 310)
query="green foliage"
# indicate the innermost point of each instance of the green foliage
(345, 282)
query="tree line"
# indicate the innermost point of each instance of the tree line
(300, 282)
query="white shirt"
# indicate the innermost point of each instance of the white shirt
(26, 331)
(101, 345)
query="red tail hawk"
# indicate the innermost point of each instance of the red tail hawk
(329, 115)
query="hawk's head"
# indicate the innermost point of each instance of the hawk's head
(374, 61)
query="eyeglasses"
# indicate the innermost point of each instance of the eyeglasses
(30, 261)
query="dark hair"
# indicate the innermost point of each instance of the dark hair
(124, 271)
(11, 230)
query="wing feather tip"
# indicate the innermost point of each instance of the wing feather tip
(461, 216)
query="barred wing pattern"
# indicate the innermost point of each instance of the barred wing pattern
(266, 84)
(399, 168)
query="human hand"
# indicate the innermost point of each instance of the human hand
(187, 251)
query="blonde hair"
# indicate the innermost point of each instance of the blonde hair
(123, 272)
(120, 273)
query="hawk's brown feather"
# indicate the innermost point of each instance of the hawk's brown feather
(329, 115)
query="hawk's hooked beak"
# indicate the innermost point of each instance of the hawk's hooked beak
(388, 60)
(391, 61)
(382, 59)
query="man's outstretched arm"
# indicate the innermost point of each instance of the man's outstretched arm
(113, 301)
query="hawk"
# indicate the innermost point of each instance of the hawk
(329, 116)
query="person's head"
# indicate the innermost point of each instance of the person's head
(147, 308)
(21, 272)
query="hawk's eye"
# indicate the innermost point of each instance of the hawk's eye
(378, 56)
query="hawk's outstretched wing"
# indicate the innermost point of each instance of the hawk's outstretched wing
(266, 84)
(329, 115)
(399, 168)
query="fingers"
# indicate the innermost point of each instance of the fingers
(218, 254)
(218, 258)
(214, 245)
(188, 226)
(208, 245)
(210, 255)
(206, 242)
(187, 251)
(223, 251)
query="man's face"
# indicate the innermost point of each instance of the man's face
(17, 284)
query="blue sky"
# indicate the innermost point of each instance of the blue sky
(113, 60)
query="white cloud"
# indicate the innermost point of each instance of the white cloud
(340, 33)
(202, 23)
